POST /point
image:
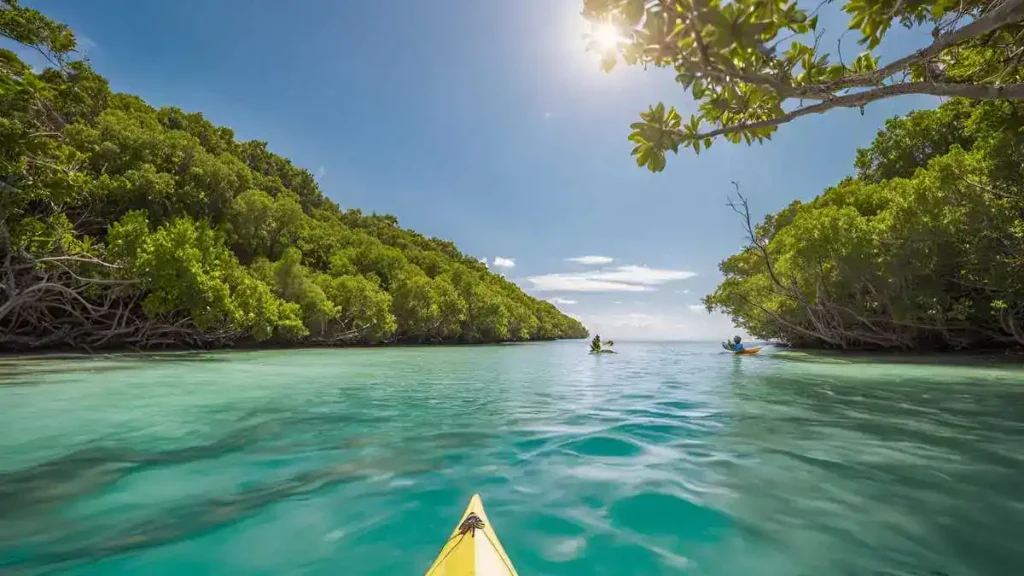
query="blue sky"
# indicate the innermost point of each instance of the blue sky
(485, 123)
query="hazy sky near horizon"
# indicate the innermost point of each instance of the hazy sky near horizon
(485, 123)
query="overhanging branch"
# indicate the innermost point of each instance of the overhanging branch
(858, 99)
(1007, 13)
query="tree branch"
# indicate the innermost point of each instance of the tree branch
(858, 99)
(76, 259)
(743, 210)
(781, 88)
(1007, 13)
(696, 27)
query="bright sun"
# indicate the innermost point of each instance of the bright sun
(607, 37)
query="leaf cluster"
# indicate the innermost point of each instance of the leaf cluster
(753, 65)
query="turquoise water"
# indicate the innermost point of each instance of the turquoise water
(663, 459)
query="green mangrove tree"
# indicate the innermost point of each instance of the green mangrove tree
(126, 225)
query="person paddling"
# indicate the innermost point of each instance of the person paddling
(734, 346)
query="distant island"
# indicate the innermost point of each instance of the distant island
(122, 225)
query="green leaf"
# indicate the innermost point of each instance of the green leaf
(657, 163)
(698, 90)
(644, 156)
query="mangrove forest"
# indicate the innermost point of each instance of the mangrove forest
(123, 225)
(922, 249)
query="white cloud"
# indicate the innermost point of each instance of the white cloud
(581, 283)
(593, 260)
(501, 262)
(483, 261)
(547, 115)
(682, 291)
(562, 301)
(321, 172)
(619, 279)
(642, 275)
(697, 308)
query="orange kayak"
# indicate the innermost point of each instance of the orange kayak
(749, 351)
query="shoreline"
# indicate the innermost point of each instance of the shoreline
(77, 353)
(1014, 353)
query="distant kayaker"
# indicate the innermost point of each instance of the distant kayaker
(735, 345)
(599, 347)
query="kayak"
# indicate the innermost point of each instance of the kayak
(473, 548)
(749, 351)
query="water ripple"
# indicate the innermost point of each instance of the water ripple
(665, 459)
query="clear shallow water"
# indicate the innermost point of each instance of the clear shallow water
(663, 459)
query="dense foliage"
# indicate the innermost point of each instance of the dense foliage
(753, 65)
(924, 248)
(121, 224)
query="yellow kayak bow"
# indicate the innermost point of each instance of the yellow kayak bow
(473, 548)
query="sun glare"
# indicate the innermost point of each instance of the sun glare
(607, 37)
